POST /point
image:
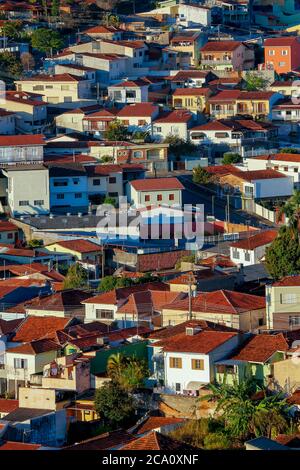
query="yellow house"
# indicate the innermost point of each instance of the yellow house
(83, 410)
(257, 103)
(193, 99)
(81, 250)
(283, 299)
(286, 88)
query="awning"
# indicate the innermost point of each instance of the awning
(194, 385)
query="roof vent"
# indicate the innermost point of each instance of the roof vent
(192, 330)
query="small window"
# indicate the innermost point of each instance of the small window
(178, 387)
(271, 52)
(60, 196)
(159, 197)
(147, 198)
(23, 203)
(284, 52)
(96, 182)
(78, 195)
(175, 363)
(198, 364)
(9, 236)
(171, 197)
(39, 202)
(112, 180)
(247, 256)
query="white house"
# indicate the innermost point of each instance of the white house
(129, 91)
(252, 250)
(174, 123)
(287, 163)
(155, 191)
(138, 116)
(189, 358)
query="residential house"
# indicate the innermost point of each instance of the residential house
(287, 111)
(205, 279)
(66, 303)
(192, 99)
(86, 252)
(155, 441)
(155, 191)
(73, 120)
(104, 306)
(172, 123)
(24, 362)
(234, 309)
(70, 372)
(286, 87)
(9, 232)
(97, 123)
(252, 250)
(187, 44)
(135, 50)
(235, 13)
(19, 199)
(7, 122)
(29, 109)
(282, 54)
(190, 78)
(138, 116)
(287, 163)
(153, 156)
(109, 66)
(227, 55)
(243, 136)
(256, 359)
(223, 104)
(249, 187)
(282, 298)
(21, 148)
(68, 187)
(129, 91)
(104, 32)
(189, 358)
(62, 91)
(87, 73)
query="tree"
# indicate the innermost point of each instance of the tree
(283, 255)
(201, 175)
(55, 7)
(110, 201)
(116, 131)
(255, 82)
(35, 243)
(12, 29)
(113, 404)
(289, 150)
(27, 61)
(10, 64)
(246, 414)
(107, 283)
(76, 277)
(129, 373)
(46, 40)
(115, 366)
(107, 159)
(230, 158)
(179, 147)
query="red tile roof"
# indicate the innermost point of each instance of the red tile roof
(221, 301)
(34, 327)
(138, 110)
(156, 441)
(216, 46)
(60, 77)
(200, 343)
(171, 331)
(80, 246)
(35, 347)
(226, 96)
(101, 29)
(254, 241)
(259, 175)
(156, 184)
(261, 347)
(280, 42)
(191, 91)
(157, 422)
(65, 300)
(176, 116)
(130, 84)
(6, 226)
(6, 405)
(21, 140)
(288, 281)
(159, 261)
(109, 440)
(281, 157)
(11, 445)
(147, 302)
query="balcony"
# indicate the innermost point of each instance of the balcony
(216, 62)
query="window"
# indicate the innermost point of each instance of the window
(65, 87)
(60, 183)
(68, 99)
(221, 135)
(38, 87)
(112, 180)
(23, 203)
(284, 52)
(49, 87)
(285, 168)
(235, 254)
(147, 198)
(78, 195)
(293, 321)
(159, 197)
(10, 236)
(39, 202)
(289, 298)
(142, 122)
(247, 256)
(158, 129)
(175, 363)
(171, 197)
(113, 194)
(20, 363)
(76, 180)
(137, 154)
(295, 170)
(271, 52)
(178, 387)
(281, 64)
(104, 314)
(96, 182)
(60, 196)
(198, 364)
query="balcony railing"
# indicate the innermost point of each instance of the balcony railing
(216, 61)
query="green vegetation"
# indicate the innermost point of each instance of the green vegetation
(129, 373)
(113, 282)
(116, 131)
(201, 175)
(46, 40)
(35, 243)
(185, 259)
(289, 150)
(230, 158)
(254, 82)
(76, 277)
(9, 63)
(106, 159)
(114, 405)
(283, 255)
(179, 147)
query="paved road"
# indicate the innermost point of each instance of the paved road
(196, 194)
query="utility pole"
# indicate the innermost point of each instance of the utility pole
(213, 205)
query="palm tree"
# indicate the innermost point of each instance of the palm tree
(116, 365)
(247, 413)
(291, 210)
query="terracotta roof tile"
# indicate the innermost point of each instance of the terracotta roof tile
(157, 422)
(80, 246)
(138, 110)
(288, 281)
(6, 405)
(156, 184)
(261, 347)
(21, 140)
(217, 46)
(200, 343)
(280, 42)
(35, 347)
(156, 441)
(259, 239)
(34, 327)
